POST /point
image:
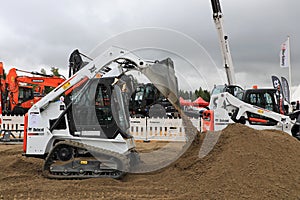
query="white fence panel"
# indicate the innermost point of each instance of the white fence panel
(138, 128)
(162, 129)
(165, 129)
(13, 124)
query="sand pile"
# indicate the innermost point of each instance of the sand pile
(244, 164)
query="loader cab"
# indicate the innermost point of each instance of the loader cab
(20, 101)
(137, 101)
(99, 110)
(143, 98)
(25, 94)
(262, 98)
(147, 97)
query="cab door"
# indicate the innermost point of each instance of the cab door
(263, 99)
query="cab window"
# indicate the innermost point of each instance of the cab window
(255, 99)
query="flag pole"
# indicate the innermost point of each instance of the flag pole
(289, 63)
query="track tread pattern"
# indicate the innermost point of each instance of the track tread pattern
(116, 174)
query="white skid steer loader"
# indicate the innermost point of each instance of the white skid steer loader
(81, 128)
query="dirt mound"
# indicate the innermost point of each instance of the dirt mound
(244, 164)
(247, 163)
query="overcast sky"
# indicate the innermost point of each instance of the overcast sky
(41, 34)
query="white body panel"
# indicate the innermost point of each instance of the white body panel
(226, 105)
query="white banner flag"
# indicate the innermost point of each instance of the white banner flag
(284, 54)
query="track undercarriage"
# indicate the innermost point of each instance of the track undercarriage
(75, 160)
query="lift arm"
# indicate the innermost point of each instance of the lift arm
(238, 108)
(99, 67)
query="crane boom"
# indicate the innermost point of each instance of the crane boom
(227, 60)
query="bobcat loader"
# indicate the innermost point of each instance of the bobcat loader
(81, 128)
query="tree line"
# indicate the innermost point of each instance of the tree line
(193, 95)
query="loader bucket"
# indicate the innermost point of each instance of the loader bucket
(162, 75)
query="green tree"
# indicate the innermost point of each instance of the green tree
(55, 72)
(204, 94)
(43, 71)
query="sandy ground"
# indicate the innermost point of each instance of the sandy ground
(244, 164)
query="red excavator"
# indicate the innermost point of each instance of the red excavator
(19, 93)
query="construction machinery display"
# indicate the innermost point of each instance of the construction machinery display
(257, 108)
(147, 101)
(19, 93)
(81, 128)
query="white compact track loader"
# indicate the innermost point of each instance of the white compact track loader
(81, 128)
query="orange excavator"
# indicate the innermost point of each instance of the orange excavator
(19, 93)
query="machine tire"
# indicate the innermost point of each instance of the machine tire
(65, 153)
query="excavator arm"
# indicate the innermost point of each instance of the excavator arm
(13, 80)
(42, 82)
(22, 97)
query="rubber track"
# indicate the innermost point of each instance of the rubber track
(116, 174)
